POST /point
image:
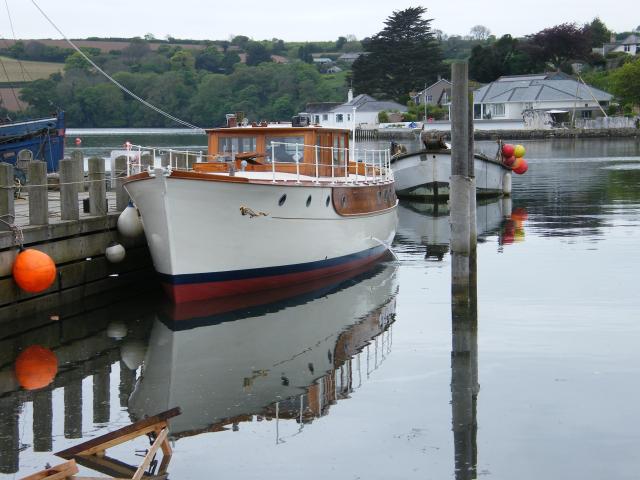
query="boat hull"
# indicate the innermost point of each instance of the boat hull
(218, 238)
(44, 138)
(425, 174)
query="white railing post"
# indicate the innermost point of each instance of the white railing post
(273, 161)
(139, 166)
(297, 165)
(332, 166)
(346, 165)
(317, 167)
(355, 162)
(171, 159)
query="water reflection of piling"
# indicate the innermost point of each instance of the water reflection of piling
(42, 421)
(101, 390)
(73, 408)
(9, 435)
(127, 382)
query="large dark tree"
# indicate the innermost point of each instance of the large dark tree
(507, 56)
(563, 43)
(402, 57)
(598, 32)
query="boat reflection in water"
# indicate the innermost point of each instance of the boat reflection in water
(288, 354)
(427, 224)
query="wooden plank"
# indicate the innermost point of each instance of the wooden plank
(160, 439)
(59, 472)
(121, 435)
(106, 465)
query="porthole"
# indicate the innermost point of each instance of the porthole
(308, 200)
(326, 203)
(343, 201)
(283, 199)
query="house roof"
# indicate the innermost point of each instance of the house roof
(366, 103)
(320, 107)
(630, 40)
(442, 80)
(537, 88)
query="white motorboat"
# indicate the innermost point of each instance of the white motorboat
(425, 173)
(224, 363)
(268, 206)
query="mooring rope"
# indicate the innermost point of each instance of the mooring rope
(113, 80)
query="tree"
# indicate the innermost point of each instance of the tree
(402, 57)
(479, 32)
(257, 53)
(625, 82)
(507, 56)
(563, 43)
(340, 43)
(209, 59)
(598, 32)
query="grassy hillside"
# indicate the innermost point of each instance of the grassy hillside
(34, 70)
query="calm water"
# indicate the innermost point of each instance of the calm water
(354, 377)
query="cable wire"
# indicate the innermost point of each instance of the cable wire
(113, 80)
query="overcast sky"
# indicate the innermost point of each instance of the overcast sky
(297, 20)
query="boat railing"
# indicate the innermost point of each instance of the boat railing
(338, 164)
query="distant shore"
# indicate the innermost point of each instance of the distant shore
(390, 134)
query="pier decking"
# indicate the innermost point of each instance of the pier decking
(73, 220)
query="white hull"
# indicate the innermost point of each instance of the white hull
(197, 232)
(426, 174)
(219, 372)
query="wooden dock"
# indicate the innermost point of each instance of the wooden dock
(72, 218)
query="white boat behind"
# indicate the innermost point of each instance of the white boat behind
(425, 173)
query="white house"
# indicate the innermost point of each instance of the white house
(514, 97)
(630, 45)
(363, 109)
(435, 94)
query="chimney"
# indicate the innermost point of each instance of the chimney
(350, 96)
(612, 39)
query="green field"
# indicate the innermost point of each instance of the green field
(33, 70)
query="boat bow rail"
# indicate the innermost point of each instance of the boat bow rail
(283, 162)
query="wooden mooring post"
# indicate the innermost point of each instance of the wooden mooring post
(38, 194)
(97, 187)
(7, 206)
(70, 181)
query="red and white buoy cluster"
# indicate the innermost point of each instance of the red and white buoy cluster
(513, 156)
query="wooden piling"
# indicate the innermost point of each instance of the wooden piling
(122, 198)
(70, 180)
(7, 207)
(97, 187)
(460, 183)
(101, 393)
(38, 195)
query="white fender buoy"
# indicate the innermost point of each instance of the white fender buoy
(129, 223)
(115, 252)
(116, 330)
(132, 353)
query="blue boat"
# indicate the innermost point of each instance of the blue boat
(43, 137)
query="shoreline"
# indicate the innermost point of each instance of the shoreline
(390, 134)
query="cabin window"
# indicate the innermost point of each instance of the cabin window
(586, 113)
(325, 116)
(316, 119)
(231, 145)
(286, 148)
(308, 200)
(348, 117)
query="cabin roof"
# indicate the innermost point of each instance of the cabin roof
(274, 128)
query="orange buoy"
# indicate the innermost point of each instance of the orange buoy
(36, 367)
(34, 271)
(509, 161)
(78, 141)
(520, 214)
(520, 166)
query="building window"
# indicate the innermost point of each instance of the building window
(497, 110)
(325, 117)
(586, 113)
(627, 48)
(339, 118)
(316, 119)
(348, 117)
(477, 111)
(429, 98)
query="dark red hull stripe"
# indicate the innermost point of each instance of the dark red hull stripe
(223, 284)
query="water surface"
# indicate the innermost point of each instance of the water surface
(354, 377)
